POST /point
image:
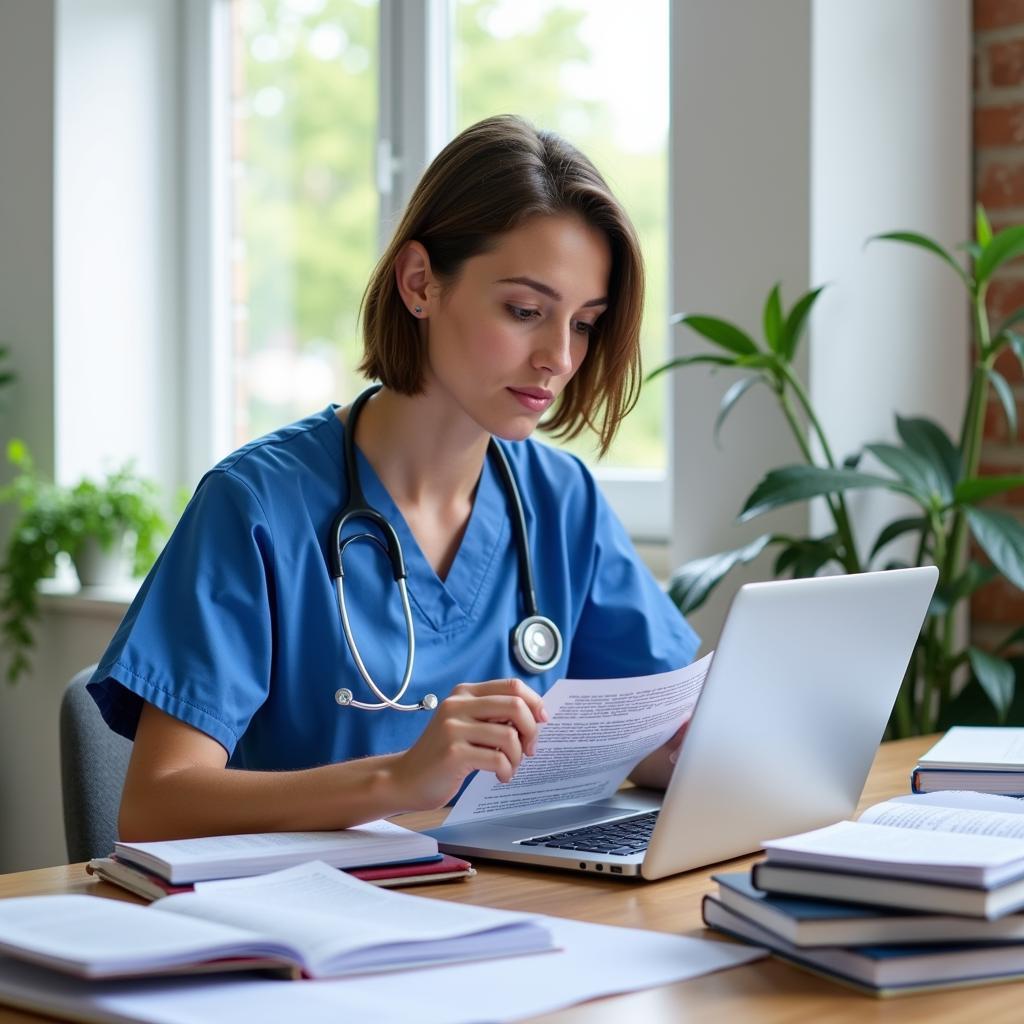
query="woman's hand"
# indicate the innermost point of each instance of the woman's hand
(480, 727)
(655, 770)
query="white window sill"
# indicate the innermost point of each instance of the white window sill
(66, 597)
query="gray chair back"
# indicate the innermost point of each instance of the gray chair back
(93, 764)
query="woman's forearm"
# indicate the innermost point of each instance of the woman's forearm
(202, 800)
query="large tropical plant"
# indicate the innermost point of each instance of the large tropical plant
(937, 474)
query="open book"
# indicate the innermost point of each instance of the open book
(311, 918)
(958, 852)
(183, 861)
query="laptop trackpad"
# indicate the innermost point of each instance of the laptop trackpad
(565, 817)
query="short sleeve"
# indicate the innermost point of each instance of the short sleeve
(197, 641)
(627, 625)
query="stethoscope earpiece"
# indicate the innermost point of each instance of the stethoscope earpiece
(536, 641)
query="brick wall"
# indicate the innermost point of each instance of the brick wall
(999, 185)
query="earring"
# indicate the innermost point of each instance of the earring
(417, 310)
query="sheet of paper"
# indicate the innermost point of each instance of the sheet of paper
(599, 730)
(597, 960)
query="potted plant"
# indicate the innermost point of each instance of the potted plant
(937, 473)
(110, 529)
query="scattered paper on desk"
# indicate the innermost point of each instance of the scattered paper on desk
(598, 960)
(600, 729)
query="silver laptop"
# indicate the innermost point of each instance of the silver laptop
(793, 709)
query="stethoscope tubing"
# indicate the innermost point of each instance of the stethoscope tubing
(536, 641)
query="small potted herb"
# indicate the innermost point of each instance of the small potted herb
(110, 528)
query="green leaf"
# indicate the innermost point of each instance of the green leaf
(1013, 318)
(1001, 538)
(795, 323)
(973, 578)
(721, 332)
(982, 227)
(913, 238)
(978, 488)
(971, 248)
(759, 361)
(930, 441)
(1014, 638)
(799, 483)
(996, 678)
(730, 398)
(673, 364)
(1007, 245)
(773, 320)
(895, 529)
(805, 557)
(1017, 344)
(691, 584)
(914, 470)
(1005, 393)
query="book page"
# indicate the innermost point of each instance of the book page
(326, 914)
(964, 798)
(600, 729)
(95, 937)
(922, 815)
(849, 842)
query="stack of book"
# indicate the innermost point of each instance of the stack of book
(922, 892)
(379, 852)
(986, 759)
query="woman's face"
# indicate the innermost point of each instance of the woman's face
(507, 336)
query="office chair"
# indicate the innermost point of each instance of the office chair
(93, 764)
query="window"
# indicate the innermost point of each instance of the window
(322, 158)
(598, 74)
(305, 203)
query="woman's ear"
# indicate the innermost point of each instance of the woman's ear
(413, 276)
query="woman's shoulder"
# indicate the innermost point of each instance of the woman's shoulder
(310, 445)
(551, 478)
(539, 464)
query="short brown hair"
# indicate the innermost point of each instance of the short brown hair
(489, 179)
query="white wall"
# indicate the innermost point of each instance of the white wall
(117, 228)
(775, 187)
(26, 222)
(892, 331)
(72, 635)
(741, 221)
(89, 303)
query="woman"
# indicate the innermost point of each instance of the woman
(512, 289)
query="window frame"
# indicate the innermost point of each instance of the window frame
(416, 115)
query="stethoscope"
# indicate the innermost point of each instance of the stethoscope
(536, 641)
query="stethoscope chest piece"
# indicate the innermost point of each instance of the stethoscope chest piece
(536, 644)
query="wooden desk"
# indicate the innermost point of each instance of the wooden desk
(767, 991)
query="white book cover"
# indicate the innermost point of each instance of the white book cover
(996, 748)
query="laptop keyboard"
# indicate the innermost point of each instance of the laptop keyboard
(624, 837)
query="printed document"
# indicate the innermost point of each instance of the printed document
(599, 730)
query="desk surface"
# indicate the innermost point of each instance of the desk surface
(767, 991)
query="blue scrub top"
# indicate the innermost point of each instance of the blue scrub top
(236, 629)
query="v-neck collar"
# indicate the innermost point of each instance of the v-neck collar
(450, 603)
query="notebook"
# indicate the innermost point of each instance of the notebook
(781, 740)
